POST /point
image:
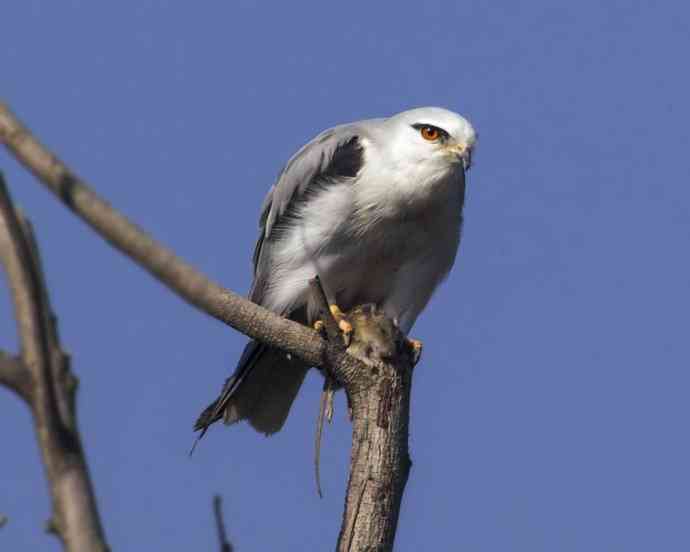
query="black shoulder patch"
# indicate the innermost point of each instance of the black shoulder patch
(347, 159)
(346, 162)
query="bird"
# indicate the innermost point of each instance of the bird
(374, 208)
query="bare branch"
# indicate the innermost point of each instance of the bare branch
(376, 372)
(15, 376)
(75, 515)
(378, 388)
(187, 282)
(379, 398)
(225, 544)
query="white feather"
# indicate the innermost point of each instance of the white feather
(390, 236)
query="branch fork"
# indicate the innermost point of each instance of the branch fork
(42, 378)
(375, 370)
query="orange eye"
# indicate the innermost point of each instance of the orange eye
(430, 133)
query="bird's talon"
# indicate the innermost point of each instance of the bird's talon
(346, 329)
(343, 323)
(415, 347)
(319, 326)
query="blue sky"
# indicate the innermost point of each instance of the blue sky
(550, 408)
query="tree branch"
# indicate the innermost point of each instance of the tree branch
(75, 514)
(379, 399)
(375, 371)
(187, 282)
(225, 544)
(15, 376)
(378, 388)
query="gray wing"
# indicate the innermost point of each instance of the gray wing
(333, 155)
(266, 382)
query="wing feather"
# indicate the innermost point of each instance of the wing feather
(265, 381)
(334, 154)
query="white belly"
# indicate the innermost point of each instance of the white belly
(394, 262)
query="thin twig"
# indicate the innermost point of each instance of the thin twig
(225, 544)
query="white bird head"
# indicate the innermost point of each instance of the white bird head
(433, 135)
(416, 156)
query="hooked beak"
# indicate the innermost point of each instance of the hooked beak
(462, 153)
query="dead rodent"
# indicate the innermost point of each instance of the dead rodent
(374, 336)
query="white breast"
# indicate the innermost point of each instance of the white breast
(369, 244)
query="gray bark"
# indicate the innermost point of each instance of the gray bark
(378, 386)
(48, 386)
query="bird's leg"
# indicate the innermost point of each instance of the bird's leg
(343, 323)
(414, 346)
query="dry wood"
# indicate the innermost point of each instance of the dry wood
(378, 389)
(224, 542)
(48, 386)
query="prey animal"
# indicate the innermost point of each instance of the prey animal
(374, 208)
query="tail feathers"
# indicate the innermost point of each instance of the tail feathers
(261, 390)
(214, 412)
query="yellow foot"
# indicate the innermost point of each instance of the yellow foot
(318, 326)
(343, 323)
(415, 347)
